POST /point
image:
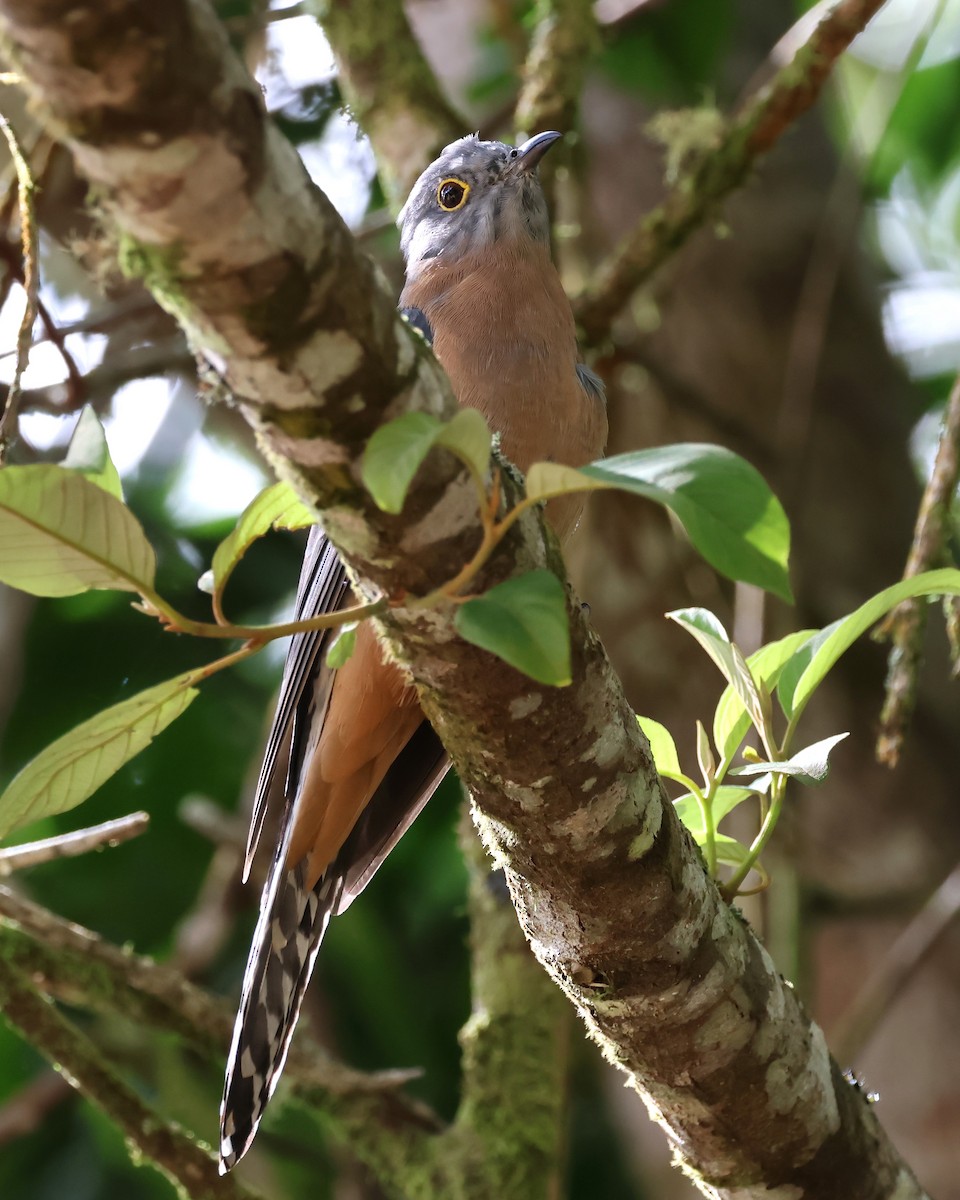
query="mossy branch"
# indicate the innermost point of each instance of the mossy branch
(188, 1164)
(563, 42)
(391, 88)
(401, 1141)
(717, 171)
(515, 1045)
(384, 1128)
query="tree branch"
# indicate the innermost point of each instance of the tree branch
(68, 845)
(717, 171)
(898, 967)
(76, 964)
(214, 211)
(392, 89)
(100, 383)
(185, 1162)
(563, 41)
(393, 1134)
(906, 624)
(515, 1046)
(401, 1140)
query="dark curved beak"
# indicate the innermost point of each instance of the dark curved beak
(533, 149)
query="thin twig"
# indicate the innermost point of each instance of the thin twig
(31, 283)
(718, 171)
(905, 625)
(175, 1153)
(101, 382)
(204, 930)
(40, 154)
(153, 605)
(898, 967)
(208, 819)
(19, 271)
(68, 845)
(100, 320)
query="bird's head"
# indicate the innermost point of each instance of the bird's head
(474, 194)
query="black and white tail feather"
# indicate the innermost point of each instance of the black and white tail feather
(285, 946)
(293, 918)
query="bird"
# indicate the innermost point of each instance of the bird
(350, 759)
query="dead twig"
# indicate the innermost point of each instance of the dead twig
(30, 280)
(905, 625)
(20, 272)
(898, 967)
(69, 845)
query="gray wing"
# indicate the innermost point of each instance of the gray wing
(591, 382)
(418, 319)
(323, 588)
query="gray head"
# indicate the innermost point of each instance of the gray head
(474, 194)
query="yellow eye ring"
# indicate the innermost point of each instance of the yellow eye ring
(452, 194)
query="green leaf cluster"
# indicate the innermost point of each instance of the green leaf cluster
(790, 670)
(64, 530)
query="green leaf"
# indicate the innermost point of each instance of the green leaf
(547, 479)
(524, 622)
(691, 814)
(808, 667)
(60, 534)
(75, 765)
(89, 454)
(701, 624)
(734, 853)
(725, 800)
(723, 503)
(393, 456)
(343, 645)
(276, 507)
(468, 436)
(395, 452)
(810, 765)
(731, 719)
(708, 764)
(662, 746)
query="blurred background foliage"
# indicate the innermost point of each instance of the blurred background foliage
(876, 172)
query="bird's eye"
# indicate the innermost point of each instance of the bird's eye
(513, 154)
(452, 194)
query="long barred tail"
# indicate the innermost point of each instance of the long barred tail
(293, 920)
